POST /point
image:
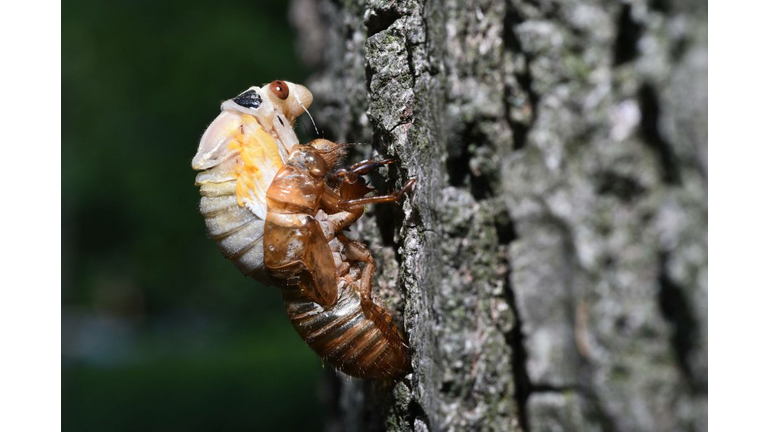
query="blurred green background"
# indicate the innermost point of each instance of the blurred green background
(159, 331)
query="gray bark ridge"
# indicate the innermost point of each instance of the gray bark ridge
(551, 267)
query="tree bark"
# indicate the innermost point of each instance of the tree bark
(551, 267)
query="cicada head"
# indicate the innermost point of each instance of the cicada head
(292, 99)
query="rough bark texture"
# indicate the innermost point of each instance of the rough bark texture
(551, 267)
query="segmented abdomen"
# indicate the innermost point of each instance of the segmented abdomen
(359, 340)
(238, 232)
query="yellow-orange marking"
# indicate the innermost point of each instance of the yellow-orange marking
(257, 150)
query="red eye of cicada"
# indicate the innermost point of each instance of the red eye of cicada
(280, 89)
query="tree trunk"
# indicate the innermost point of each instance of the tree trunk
(551, 267)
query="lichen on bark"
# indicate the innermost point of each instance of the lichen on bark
(550, 267)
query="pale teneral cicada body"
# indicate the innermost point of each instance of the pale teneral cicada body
(239, 155)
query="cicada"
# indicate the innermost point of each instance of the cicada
(239, 154)
(278, 209)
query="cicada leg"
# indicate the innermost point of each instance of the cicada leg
(359, 202)
(351, 174)
(339, 218)
(353, 188)
(357, 252)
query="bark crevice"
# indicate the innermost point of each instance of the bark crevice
(515, 338)
(675, 308)
(628, 36)
(521, 98)
(649, 125)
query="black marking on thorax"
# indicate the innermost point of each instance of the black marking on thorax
(248, 99)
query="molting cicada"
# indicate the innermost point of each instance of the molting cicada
(278, 210)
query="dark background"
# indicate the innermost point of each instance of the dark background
(159, 331)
